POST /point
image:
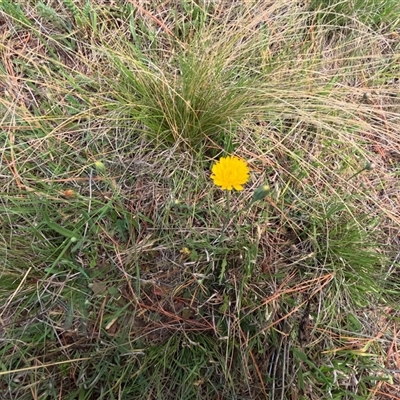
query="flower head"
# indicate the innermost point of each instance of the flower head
(69, 194)
(230, 173)
(260, 193)
(99, 166)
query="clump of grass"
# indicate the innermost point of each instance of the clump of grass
(199, 101)
(116, 281)
(375, 14)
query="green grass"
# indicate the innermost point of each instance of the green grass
(122, 274)
(375, 14)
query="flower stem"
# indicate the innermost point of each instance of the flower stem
(228, 201)
(228, 216)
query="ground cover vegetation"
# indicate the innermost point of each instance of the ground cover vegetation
(129, 270)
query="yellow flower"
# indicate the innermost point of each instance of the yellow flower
(230, 172)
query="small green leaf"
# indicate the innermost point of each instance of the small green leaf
(223, 268)
(61, 230)
(99, 288)
(193, 256)
(113, 291)
(300, 355)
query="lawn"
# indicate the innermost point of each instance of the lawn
(128, 270)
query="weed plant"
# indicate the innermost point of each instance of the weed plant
(122, 274)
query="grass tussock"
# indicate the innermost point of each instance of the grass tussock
(125, 273)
